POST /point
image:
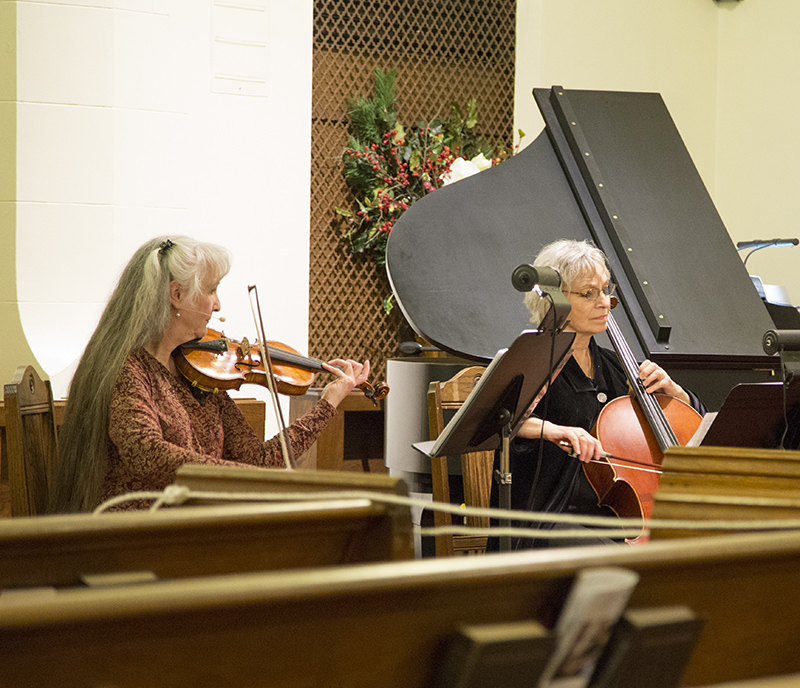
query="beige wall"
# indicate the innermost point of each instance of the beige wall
(726, 72)
(16, 350)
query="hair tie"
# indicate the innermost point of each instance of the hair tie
(165, 246)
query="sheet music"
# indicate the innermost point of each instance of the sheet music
(702, 429)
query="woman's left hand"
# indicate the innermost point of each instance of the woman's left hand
(349, 375)
(656, 379)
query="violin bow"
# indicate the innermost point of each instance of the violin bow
(286, 447)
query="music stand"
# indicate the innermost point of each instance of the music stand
(753, 416)
(513, 382)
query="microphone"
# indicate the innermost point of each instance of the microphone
(765, 243)
(413, 348)
(546, 282)
(525, 277)
(212, 316)
(781, 340)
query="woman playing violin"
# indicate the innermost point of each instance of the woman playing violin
(546, 478)
(131, 419)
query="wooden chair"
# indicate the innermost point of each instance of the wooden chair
(31, 441)
(476, 467)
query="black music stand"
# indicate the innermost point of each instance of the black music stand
(753, 415)
(514, 382)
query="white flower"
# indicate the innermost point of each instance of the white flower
(459, 169)
(481, 162)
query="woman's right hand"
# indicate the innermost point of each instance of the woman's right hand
(577, 440)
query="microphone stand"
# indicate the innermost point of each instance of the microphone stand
(758, 244)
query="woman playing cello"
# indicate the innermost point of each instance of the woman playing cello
(131, 419)
(547, 478)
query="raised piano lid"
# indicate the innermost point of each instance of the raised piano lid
(609, 167)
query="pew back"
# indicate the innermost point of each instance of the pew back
(200, 541)
(726, 484)
(389, 624)
(232, 479)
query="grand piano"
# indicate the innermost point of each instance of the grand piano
(611, 168)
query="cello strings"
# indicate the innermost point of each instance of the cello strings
(661, 428)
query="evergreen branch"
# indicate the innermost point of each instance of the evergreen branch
(388, 167)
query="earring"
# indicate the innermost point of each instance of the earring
(177, 314)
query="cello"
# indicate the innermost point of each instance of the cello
(640, 427)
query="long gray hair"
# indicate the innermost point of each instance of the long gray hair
(574, 260)
(137, 314)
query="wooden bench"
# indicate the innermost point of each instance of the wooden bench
(389, 624)
(199, 541)
(232, 479)
(254, 411)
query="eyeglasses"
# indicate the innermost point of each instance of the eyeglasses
(593, 293)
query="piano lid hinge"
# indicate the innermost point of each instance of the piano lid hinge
(605, 207)
(656, 319)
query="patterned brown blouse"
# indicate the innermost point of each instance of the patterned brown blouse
(157, 424)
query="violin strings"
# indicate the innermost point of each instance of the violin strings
(295, 359)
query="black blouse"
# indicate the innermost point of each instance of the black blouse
(545, 478)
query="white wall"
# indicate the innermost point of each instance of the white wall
(144, 117)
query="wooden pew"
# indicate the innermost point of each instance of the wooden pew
(231, 479)
(254, 411)
(390, 624)
(726, 483)
(199, 541)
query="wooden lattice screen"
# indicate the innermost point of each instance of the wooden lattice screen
(444, 51)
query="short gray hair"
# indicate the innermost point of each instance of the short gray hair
(573, 260)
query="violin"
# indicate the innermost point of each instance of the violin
(215, 363)
(639, 427)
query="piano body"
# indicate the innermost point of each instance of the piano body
(609, 167)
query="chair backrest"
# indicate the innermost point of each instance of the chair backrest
(31, 441)
(476, 467)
